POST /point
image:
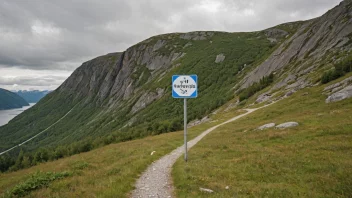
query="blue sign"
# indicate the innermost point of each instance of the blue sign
(184, 86)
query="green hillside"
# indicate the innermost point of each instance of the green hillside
(90, 120)
(9, 100)
(124, 96)
(311, 160)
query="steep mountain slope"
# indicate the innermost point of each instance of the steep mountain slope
(129, 93)
(9, 100)
(32, 96)
(123, 90)
(316, 43)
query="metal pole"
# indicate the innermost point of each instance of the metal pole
(185, 126)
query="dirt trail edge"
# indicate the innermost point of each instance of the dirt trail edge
(156, 181)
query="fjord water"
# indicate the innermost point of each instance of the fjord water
(7, 115)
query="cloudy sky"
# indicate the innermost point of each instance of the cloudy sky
(43, 41)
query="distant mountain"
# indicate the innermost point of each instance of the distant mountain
(10, 100)
(32, 96)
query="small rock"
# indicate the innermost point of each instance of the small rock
(305, 94)
(266, 126)
(152, 152)
(219, 58)
(206, 190)
(290, 93)
(287, 125)
(227, 187)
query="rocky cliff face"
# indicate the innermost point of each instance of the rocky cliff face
(307, 48)
(116, 77)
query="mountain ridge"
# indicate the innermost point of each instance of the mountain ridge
(127, 94)
(32, 96)
(10, 100)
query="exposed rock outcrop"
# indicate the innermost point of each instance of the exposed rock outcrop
(313, 39)
(206, 190)
(263, 97)
(220, 58)
(266, 126)
(198, 122)
(338, 86)
(287, 125)
(146, 99)
(196, 36)
(340, 95)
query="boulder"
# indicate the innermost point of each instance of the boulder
(266, 126)
(287, 125)
(340, 95)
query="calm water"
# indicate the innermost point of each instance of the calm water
(7, 115)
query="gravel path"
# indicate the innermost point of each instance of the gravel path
(156, 181)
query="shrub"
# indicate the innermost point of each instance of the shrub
(36, 181)
(253, 89)
(339, 70)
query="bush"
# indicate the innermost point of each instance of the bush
(253, 89)
(339, 70)
(36, 181)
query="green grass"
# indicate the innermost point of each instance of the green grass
(110, 171)
(311, 160)
(35, 181)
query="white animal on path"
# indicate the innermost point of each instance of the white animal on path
(156, 181)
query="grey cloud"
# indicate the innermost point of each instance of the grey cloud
(51, 34)
(32, 81)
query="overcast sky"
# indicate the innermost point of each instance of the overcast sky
(43, 41)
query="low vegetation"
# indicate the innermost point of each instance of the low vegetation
(110, 171)
(256, 87)
(34, 182)
(311, 160)
(339, 70)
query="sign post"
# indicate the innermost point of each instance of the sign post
(185, 86)
(185, 125)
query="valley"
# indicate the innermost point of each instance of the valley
(273, 118)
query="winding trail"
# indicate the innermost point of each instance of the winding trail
(37, 133)
(156, 181)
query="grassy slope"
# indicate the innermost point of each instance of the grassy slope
(311, 160)
(109, 171)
